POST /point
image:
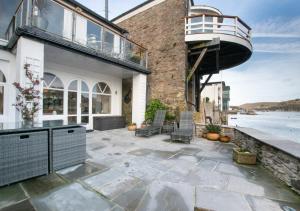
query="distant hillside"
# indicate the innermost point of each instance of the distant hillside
(290, 105)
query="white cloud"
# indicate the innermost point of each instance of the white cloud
(268, 80)
(278, 27)
(277, 47)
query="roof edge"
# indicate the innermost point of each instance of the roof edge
(131, 10)
(96, 15)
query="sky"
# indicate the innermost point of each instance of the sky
(273, 71)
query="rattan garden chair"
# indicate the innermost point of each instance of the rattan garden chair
(155, 127)
(186, 126)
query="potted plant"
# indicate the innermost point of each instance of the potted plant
(224, 138)
(28, 97)
(243, 156)
(213, 132)
(132, 127)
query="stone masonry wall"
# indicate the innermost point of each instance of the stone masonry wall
(160, 29)
(283, 166)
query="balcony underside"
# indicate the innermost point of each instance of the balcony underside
(231, 54)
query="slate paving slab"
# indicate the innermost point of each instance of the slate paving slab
(130, 199)
(11, 195)
(207, 179)
(82, 170)
(73, 197)
(168, 196)
(221, 200)
(21, 206)
(43, 184)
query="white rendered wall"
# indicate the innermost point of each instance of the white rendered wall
(8, 67)
(139, 86)
(213, 92)
(68, 74)
(32, 53)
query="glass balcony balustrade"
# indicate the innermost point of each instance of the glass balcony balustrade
(60, 21)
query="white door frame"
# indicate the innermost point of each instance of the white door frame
(79, 93)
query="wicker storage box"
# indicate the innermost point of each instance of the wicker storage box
(69, 147)
(244, 157)
(23, 156)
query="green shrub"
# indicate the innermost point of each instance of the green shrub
(211, 128)
(152, 107)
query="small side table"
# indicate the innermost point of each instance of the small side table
(168, 129)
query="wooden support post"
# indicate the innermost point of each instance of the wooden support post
(203, 52)
(205, 83)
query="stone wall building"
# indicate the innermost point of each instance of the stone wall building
(160, 29)
(185, 42)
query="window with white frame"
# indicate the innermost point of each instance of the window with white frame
(53, 95)
(2, 83)
(101, 102)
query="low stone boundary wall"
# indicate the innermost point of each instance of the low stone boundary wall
(281, 157)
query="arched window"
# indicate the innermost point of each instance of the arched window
(53, 95)
(101, 103)
(2, 83)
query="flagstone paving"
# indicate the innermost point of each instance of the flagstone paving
(124, 172)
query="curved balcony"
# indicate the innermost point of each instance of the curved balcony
(235, 40)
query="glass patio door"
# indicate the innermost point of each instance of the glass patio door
(78, 103)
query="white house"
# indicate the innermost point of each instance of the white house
(218, 94)
(81, 56)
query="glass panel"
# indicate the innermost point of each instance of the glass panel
(7, 10)
(1, 99)
(72, 119)
(53, 101)
(85, 119)
(210, 20)
(2, 77)
(48, 78)
(105, 100)
(97, 89)
(84, 103)
(94, 35)
(72, 103)
(57, 84)
(73, 86)
(102, 86)
(108, 45)
(107, 90)
(101, 104)
(48, 16)
(84, 87)
(96, 104)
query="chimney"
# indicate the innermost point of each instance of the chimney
(106, 9)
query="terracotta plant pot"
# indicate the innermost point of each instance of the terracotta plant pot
(213, 136)
(131, 127)
(143, 125)
(225, 139)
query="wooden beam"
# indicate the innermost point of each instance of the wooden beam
(203, 52)
(205, 83)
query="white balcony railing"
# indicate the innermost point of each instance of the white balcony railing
(221, 24)
(60, 21)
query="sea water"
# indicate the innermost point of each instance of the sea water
(285, 125)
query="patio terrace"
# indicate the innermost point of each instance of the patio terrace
(124, 172)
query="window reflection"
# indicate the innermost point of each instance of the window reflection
(7, 10)
(101, 99)
(53, 95)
